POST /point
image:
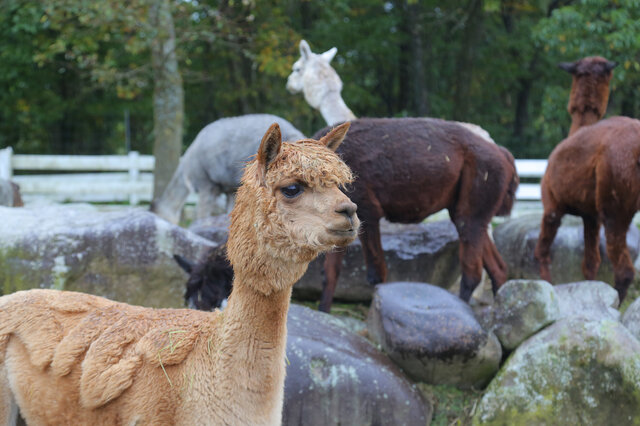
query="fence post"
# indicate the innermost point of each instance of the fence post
(6, 169)
(134, 174)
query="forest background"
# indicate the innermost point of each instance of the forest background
(108, 76)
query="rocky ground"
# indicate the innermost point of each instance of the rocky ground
(406, 352)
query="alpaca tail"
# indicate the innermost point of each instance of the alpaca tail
(509, 197)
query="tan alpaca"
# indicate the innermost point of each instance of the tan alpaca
(75, 359)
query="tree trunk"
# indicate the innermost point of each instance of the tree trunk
(522, 100)
(168, 97)
(417, 71)
(464, 63)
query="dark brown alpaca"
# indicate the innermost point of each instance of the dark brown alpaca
(409, 168)
(594, 174)
(589, 90)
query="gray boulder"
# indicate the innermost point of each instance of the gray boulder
(432, 335)
(516, 239)
(573, 372)
(335, 377)
(125, 255)
(592, 300)
(522, 308)
(214, 228)
(424, 252)
(631, 318)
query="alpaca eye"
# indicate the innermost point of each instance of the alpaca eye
(291, 191)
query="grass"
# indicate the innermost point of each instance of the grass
(632, 294)
(354, 310)
(451, 406)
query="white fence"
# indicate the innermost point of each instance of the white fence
(121, 178)
(102, 178)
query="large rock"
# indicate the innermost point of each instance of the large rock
(592, 300)
(214, 228)
(631, 318)
(432, 335)
(516, 240)
(125, 255)
(522, 308)
(573, 372)
(335, 377)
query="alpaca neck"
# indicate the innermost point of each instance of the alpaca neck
(334, 110)
(581, 119)
(251, 364)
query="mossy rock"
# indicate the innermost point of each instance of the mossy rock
(522, 308)
(573, 372)
(125, 255)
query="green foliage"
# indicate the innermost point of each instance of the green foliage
(70, 68)
(595, 27)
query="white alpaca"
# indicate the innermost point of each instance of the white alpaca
(314, 76)
(212, 165)
(75, 359)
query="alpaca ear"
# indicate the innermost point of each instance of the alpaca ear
(334, 138)
(305, 50)
(569, 67)
(184, 263)
(269, 150)
(329, 54)
(611, 65)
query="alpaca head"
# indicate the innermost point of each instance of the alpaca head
(210, 280)
(313, 75)
(290, 207)
(590, 89)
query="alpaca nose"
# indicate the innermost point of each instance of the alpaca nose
(347, 208)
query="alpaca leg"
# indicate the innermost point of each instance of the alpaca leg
(591, 261)
(618, 253)
(494, 265)
(471, 252)
(332, 265)
(207, 200)
(551, 221)
(373, 253)
(473, 239)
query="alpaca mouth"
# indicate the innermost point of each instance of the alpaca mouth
(351, 232)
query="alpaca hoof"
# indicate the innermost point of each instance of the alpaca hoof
(373, 278)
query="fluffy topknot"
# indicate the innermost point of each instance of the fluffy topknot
(307, 161)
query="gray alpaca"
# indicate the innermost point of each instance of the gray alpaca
(213, 164)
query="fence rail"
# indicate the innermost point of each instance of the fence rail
(121, 178)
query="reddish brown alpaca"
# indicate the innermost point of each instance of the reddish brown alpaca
(594, 174)
(409, 168)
